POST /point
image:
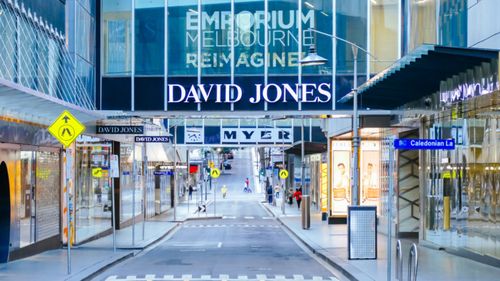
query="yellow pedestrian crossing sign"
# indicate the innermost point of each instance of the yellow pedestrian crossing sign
(215, 173)
(97, 172)
(66, 128)
(283, 174)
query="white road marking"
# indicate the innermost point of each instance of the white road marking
(228, 217)
(219, 245)
(267, 218)
(249, 218)
(222, 277)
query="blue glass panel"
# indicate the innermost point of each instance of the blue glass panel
(352, 26)
(149, 37)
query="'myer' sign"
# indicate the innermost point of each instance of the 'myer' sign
(257, 136)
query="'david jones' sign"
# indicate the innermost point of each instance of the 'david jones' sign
(233, 93)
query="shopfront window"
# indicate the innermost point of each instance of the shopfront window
(384, 33)
(453, 23)
(422, 23)
(463, 185)
(149, 37)
(93, 188)
(126, 181)
(351, 25)
(117, 40)
(182, 37)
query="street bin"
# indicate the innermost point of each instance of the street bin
(306, 211)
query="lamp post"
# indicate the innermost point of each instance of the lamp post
(314, 59)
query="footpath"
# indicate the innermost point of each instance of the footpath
(89, 259)
(329, 242)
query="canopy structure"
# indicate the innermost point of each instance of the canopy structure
(417, 75)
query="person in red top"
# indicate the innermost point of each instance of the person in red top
(298, 196)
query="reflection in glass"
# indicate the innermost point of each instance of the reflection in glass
(149, 37)
(383, 33)
(117, 45)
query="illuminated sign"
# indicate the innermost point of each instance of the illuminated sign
(424, 144)
(233, 93)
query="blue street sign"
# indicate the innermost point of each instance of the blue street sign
(424, 144)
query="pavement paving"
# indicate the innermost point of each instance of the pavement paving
(329, 242)
(235, 239)
(95, 256)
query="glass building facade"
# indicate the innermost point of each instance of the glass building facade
(147, 45)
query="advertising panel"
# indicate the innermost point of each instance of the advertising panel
(370, 173)
(341, 189)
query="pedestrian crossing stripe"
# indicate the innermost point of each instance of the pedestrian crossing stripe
(221, 277)
(228, 225)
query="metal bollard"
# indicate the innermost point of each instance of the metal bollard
(399, 261)
(413, 263)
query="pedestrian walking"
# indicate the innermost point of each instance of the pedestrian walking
(277, 191)
(290, 197)
(224, 191)
(298, 197)
(269, 192)
(190, 192)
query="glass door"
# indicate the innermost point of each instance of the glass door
(27, 208)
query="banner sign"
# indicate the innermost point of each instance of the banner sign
(257, 135)
(233, 93)
(162, 139)
(120, 130)
(193, 135)
(424, 144)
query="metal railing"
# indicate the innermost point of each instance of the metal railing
(399, 260)
(33, 54)
(412, 262)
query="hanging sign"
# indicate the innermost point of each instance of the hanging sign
(424, 144)
(154, 139)
(120, 130)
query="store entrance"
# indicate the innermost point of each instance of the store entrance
(7, 164)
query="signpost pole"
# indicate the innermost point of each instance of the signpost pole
(145, 188)
(133, 194)
(389, 212)
(68, 211)
(283, 187)
(113, 214)
(114, 172)
(175, 174)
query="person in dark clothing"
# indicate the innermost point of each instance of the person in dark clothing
(269, 192)
(190, 192)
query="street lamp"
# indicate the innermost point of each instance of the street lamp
(314, 59)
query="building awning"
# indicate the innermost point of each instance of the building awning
(25, 104)
(417, 75)
(309, 148)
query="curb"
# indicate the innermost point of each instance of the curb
(133, 253)
(331, 262)
(203, 218)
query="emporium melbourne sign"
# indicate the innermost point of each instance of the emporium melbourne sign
(248, 37)
(233, 93)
